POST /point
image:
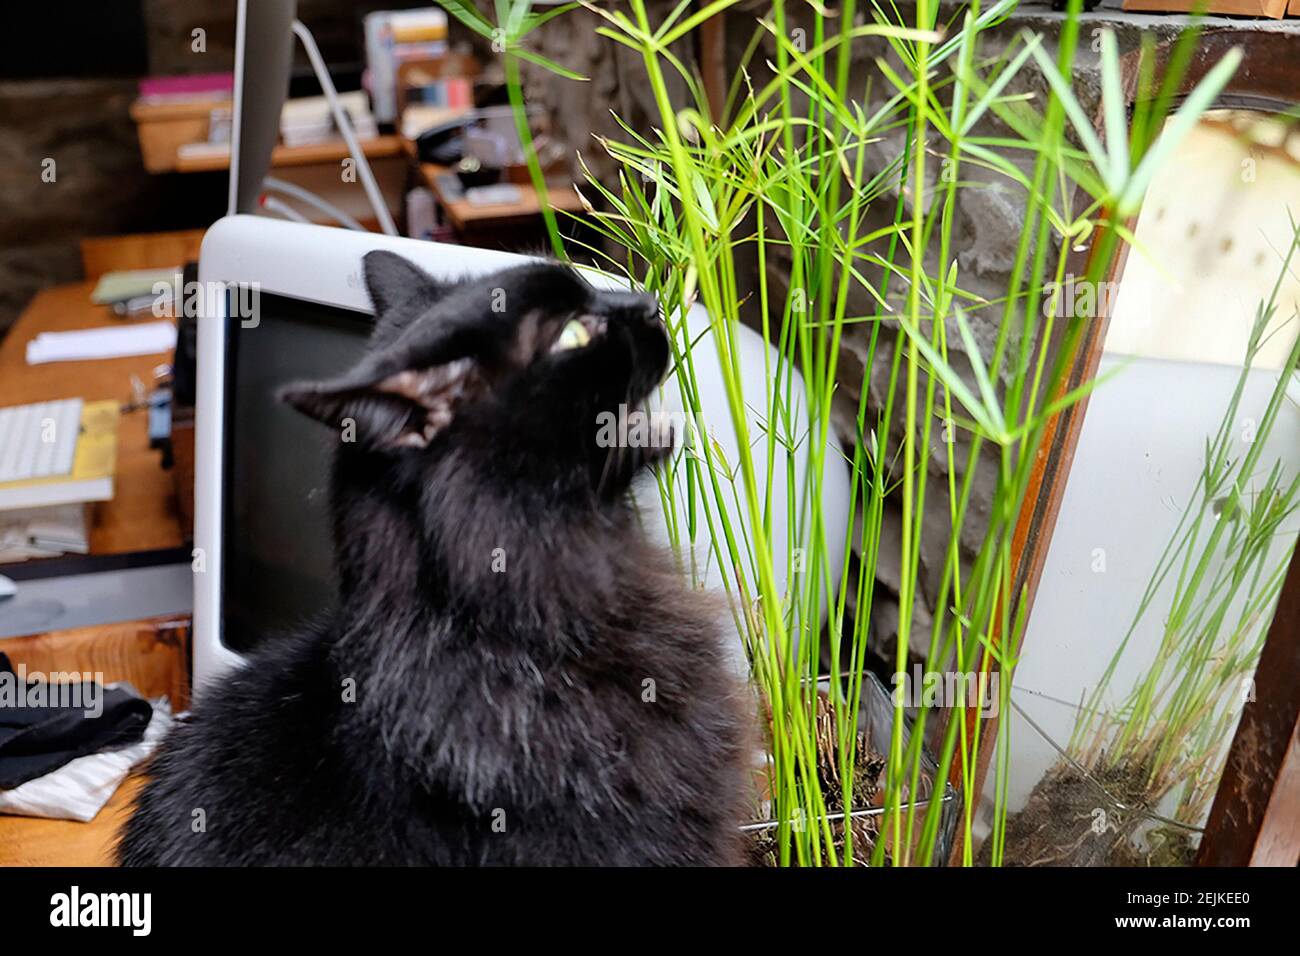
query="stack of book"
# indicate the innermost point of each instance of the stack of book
(193, 88)
(61, 469)
(308, 120)
(394, 37)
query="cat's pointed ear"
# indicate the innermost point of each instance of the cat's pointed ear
(404, 409)
(393, 282)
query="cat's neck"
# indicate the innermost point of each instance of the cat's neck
(512, 567)
(428, 620)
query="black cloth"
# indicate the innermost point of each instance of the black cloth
(36, 740)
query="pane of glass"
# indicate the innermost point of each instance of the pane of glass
(1177, 521)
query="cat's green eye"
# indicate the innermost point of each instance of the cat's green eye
(573, 336)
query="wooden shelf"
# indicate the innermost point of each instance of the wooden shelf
(1272, 9)
(380, 147)
(165, 127)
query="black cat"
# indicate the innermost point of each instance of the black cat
(515, 675)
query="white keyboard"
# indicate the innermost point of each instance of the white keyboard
(38, 441)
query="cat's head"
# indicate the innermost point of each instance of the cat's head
(510, 373)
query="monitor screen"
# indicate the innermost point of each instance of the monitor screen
(278, 568)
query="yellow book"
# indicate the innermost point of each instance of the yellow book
(419, 32)
(93, 466)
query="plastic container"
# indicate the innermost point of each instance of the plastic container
(875, 719)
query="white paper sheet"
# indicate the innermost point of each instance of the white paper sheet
(145, 338)
(79, 789)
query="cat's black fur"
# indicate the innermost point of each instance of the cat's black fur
(573, 708)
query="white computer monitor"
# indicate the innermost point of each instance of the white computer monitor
(263, 547)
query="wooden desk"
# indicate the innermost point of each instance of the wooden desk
(32, 841)
(141, 250)
(498, 223)
(466, 216)
(143, 514)
(154, 654)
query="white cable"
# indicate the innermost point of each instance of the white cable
(345, 127)
(311, 199)
(272, 204)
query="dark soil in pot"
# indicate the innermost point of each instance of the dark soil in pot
(868, 783)
(1072, 819)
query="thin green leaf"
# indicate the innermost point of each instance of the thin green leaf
(691, 22)
(1078, 118)
(1198, 101)
(547, 64)
(1113, 107)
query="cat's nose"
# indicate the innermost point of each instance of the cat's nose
(647, 308)
(640, 306)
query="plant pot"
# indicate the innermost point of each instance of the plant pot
(1061, 813)
(875, 724)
